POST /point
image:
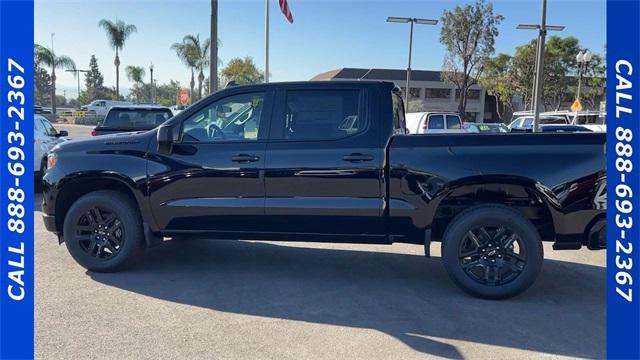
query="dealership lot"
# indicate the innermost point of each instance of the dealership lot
(224, 299)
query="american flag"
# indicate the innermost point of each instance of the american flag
(284, 7)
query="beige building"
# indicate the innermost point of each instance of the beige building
(427, 93)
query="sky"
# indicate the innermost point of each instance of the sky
(325, 35)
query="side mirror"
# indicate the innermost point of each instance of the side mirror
(167, 136)
(62, 133)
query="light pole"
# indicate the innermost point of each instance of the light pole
(411, 21)
(583, 59)
(539, 80)
(77, 74)
(152, 85)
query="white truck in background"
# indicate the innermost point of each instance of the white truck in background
(101, 107)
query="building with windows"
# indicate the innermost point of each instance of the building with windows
(427, 93)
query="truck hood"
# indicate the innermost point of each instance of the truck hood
(120, 141)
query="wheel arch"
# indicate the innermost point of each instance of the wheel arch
(527, 196)
(74, 187)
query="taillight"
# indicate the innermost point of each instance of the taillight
(425, 125)
(93, 132)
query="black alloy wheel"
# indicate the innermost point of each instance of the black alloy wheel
(100, 233)
(492, 255)
(103, 231)
(492, 251)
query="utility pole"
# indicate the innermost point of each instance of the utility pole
(539, 78)
(76, 73)
(213, 61)
(411, 21)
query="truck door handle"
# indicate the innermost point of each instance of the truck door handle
(242, 158)
(357, 157)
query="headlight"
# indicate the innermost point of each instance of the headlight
(52, 159)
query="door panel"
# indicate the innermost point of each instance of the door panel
(330, 186)
(209, 191)
(214, 179)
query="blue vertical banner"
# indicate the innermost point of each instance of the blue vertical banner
(623, 179)
(16, 183)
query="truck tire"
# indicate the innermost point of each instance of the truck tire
(103, 231)
(492, 251)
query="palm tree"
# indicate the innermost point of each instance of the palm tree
(201, 54)
(189, 57)
(117, 33)
(136, 74)
(45, 56)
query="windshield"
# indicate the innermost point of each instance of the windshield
(136, 119)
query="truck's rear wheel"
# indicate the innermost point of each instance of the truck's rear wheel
(103, 231)
(492, 251)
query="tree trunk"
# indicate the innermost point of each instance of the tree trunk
(462, 105)
(193, 85)
(498, 109)
(200, 80)
(116, 62)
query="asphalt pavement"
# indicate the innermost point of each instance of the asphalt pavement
(209, 299)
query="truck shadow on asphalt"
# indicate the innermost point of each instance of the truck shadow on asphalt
(405, 296)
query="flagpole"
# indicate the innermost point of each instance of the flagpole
(266, 40)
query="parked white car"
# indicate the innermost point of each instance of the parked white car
(45, 137)
(434, 123)
(101, 107)
(526, 122)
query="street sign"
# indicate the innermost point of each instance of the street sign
(184, 97)
(576, 106)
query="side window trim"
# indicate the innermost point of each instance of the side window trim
(277, 128)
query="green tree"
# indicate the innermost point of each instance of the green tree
(201, 55)
(166, 94)
(42, 84)
(495, 78)
(189, 57)
(136, 75)
(593, 82)
(242, 71)
(523, 71)
(468, 34)
(560, 74)
(117, 33)
(94, 84)
(46, 57)
(93, 79)
(560, 70)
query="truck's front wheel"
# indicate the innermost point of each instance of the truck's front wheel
(103, 231)
(492, 251)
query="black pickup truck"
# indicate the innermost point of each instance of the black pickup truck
(330, 162)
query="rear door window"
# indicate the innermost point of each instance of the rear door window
(322, 114)
(454, 122)
(435, 122)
